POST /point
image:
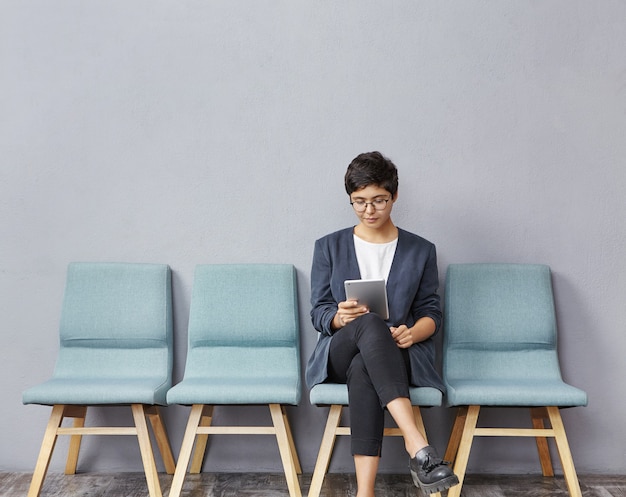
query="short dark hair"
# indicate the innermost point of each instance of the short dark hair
(371, 168)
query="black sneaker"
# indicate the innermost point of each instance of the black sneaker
(431, 474)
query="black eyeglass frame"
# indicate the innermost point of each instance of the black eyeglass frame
(363, 208)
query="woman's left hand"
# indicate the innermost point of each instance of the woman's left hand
(402, 335)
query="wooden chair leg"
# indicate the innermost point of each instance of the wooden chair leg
(185, 450)
(464, 448)
(45, 453)
(538, 414)
(162, 440)
(285, 447)
(79, 413)
(292, 445)
(326, 449)
(569, 471)
(145, 447)
(202, 439)
(455, 435)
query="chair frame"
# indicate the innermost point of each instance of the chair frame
(483, 289)
(200, 421)
(140, 411)
(465, 429)
(333, 429)
(200, 426)
(113, 284)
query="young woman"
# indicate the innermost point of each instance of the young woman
(378, 359)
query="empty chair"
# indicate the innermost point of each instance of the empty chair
(115, 349)
(243, 350)
(335, 395)
(500, 350)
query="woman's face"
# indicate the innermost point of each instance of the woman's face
(372, 205)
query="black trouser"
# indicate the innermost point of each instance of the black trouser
(364, 355)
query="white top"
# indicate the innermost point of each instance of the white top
(374, 258)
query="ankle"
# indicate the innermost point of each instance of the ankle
(415, 448)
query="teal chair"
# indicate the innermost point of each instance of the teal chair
(335, 395)
(115, 349)
(243, 349)
(499, 350)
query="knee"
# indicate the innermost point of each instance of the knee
(372, 328)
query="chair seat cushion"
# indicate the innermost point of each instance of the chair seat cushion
(98, 391)
(224, 391)
(337, 393)
(519, 393)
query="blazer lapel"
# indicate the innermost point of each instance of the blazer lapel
(395, 273)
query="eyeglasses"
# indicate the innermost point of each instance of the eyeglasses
(379, 204)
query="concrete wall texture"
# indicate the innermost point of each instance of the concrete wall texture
(196, 132)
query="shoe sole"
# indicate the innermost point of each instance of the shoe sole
(438, 486)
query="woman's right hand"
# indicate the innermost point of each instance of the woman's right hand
(347, 312)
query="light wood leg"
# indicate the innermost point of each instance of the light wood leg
(162, 440)
(564, 452)
(292, 445)
(145, 447)
(538, 414)
(455, 435)
(201, 441)
(185, 450)
(284, 446)
(326, 449)
(45, 453)
(79, 413)
(465, 446)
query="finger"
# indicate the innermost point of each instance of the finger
(345, 304)
(352, 307)
(359, 311)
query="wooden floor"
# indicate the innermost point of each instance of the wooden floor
(274, 485)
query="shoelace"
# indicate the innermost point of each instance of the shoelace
(429, 466)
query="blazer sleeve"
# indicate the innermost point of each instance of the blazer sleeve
(427, 302)
(323, 304)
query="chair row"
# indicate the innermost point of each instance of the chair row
(116, 335)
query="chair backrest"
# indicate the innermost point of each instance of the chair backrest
(499, 322)
(243, 322)
(116, 321)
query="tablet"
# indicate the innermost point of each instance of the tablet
(372, 293)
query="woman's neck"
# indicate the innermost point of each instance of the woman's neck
(383, 234)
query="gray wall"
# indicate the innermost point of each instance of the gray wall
(189, 132)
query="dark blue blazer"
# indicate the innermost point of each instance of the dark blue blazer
(411, 290)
